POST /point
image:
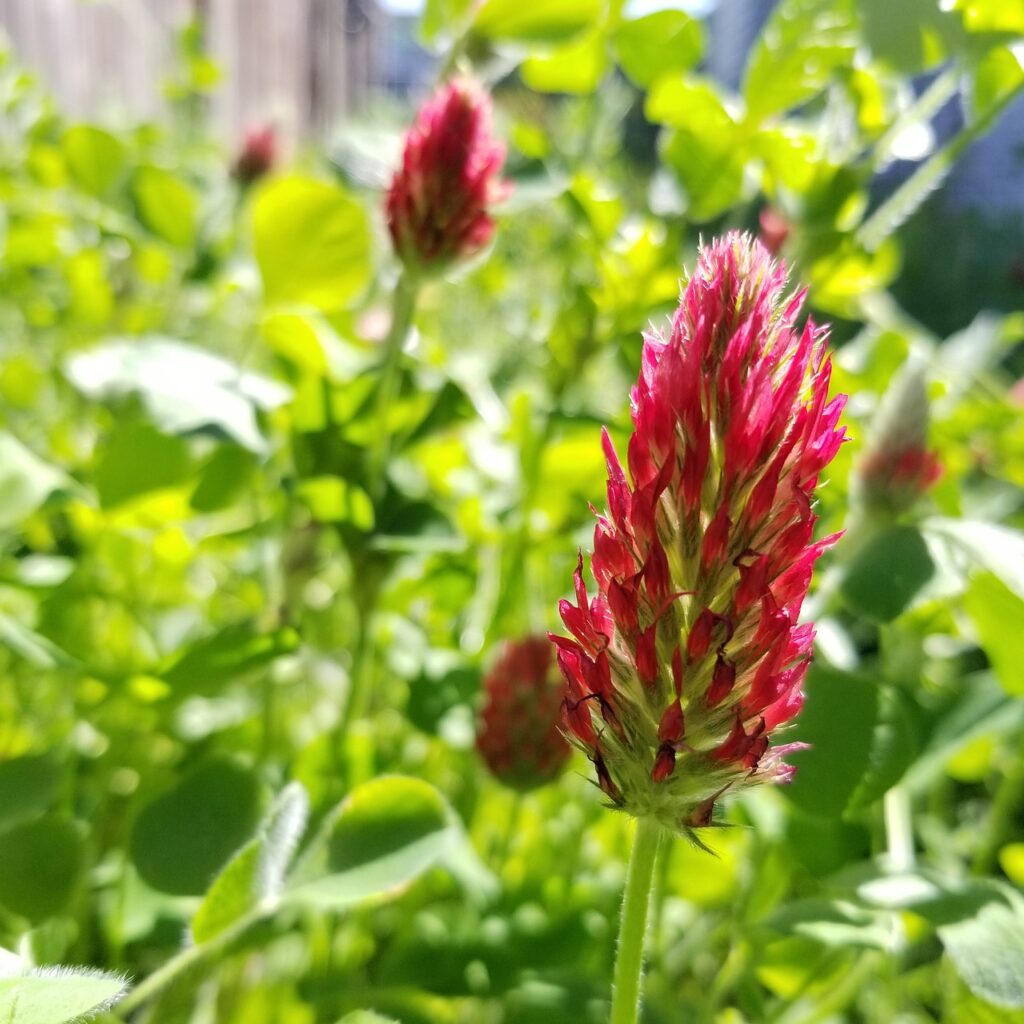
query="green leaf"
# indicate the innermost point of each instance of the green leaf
(838, 721)
(165, 205)
(893, 748)
(223, 478)
(551, 21)
(26, 481)
(28, 786)
(988, 953)
(577, 67)
(183, 837)
(209, 665)
(804, 43)
(992, 15)
(997, 549)
(998, 616)
(838, 923)
(94, 157)
(184, 389)
(705, 148)
(885, 575)
(54, 995)
(40, 865)
(136, 459)
(384, 835)
(366, 1017)
(657, 44)
(334, 500)
(312, 243)
(254, 877)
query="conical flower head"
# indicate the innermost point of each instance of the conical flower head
(689, 657)
(438, 206)
(518, 733)
(897, 467)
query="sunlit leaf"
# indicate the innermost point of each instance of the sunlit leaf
(183, 388)
(312, 243)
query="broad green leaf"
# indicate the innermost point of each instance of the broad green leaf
(94, 157)
(804, 43)
(183, 837)
(838, 721)
(657, 44)
(312, 243)
(990, 546)
(137, 458)
(294, 338)
(366, 1017)
(992, 15)
(998, 616)
(548, 22)
(839, 923)
(255, 875)
(40, 864)
(210, 665)
(705, 149)
(988, 953)
(28, 786)
(54, 995)
(885, 575)
(183, 388)
(998, 75)
(385, 834)
(893, 747)
(577, 67)
(165, 205)
(223, 478)
(26, 481)
(333, 500)
(906, 35)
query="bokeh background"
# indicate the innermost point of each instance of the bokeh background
(197, 569)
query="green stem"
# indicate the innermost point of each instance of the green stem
(1002, 818)
(403, 307)
(629, 959)
(359, 683)
(189, 959)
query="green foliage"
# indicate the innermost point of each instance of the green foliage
(213, 591)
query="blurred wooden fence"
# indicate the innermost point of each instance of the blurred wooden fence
(303, 63)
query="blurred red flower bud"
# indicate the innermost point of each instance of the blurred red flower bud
(518, 734)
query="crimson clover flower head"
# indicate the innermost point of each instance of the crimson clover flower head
(896, 467)
(518, 733)
(690, 655)
(258, 154)
(438, 205)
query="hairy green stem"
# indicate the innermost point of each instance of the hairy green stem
(629, 959)
(403, 308)
(189, 959)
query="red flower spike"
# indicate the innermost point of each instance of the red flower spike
(259, 152)
(706, 553)
(438, 207)
(518, 733)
